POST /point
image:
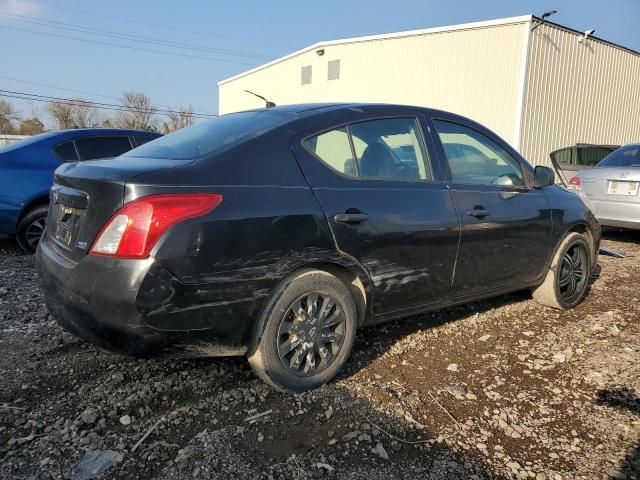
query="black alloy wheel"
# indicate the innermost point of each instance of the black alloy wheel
(573, 272)
(311, 334)
(31, 227)
(34, 231)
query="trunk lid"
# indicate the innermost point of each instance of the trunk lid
(86, 194)
(568, 161)
(616, 184)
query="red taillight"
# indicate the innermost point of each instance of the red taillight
(134, 229)
(574, 184)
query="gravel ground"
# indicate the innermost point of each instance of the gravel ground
(496, 389)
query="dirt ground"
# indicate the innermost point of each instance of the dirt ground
(496, 389)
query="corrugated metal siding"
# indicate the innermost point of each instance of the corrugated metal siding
(578, 93)
(474, 72)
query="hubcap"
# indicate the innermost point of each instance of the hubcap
(34, 231)
(573, 273)
(311, 334)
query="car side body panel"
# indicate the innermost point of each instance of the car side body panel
(409, 241)
(517, 229)
(204, 287)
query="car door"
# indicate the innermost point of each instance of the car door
(375, 182)
(506, 226)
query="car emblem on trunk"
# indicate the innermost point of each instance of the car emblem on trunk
(624, 174)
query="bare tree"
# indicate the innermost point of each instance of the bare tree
(31, 126)
(183, 118)
(62, 115)
(7, 116)
(139, 112)
(86, 115)
(79, 114)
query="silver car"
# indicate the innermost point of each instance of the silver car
(611, 188)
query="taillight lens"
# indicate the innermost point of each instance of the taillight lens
(134, 229)
(575, 183)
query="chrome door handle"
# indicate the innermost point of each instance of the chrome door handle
(350, 217)
(478, 212)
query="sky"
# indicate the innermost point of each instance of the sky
(63, 44)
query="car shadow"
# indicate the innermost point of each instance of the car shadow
(621, 235)
(355, 439)
(624, 399)
(373, 341)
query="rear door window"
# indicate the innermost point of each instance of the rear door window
(390, 148)
(92, 148)
(334, 149)
(66, 152)
(142, 139)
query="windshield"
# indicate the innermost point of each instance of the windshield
(212, 136)
(628, 156)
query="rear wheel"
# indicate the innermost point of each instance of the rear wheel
(567, 280)
(306, 332)
(31, 227)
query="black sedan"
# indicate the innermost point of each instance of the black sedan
(277, 233)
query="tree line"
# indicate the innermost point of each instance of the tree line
(136, 112)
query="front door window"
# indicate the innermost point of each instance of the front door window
(476, 159)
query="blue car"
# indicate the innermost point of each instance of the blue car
(26, 173)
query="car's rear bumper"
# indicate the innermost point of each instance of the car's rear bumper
(138, 308)
(616, 214)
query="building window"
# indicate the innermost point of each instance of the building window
(333, 70)
(305, 75)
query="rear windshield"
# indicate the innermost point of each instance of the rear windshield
(212, 136)
(628, 156)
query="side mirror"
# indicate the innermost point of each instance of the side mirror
(543, 176)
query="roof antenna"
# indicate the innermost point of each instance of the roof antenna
(544, 15)
(269, 103)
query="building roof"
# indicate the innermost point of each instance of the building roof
(424, 31)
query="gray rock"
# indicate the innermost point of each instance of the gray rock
(381, 452)
(457, 391)
(89, 416)
(94, 463)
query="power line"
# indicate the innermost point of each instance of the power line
(221, 60)
(169, 107)
(138, 22)
(77, 102)
(99, 105)
(129, 36)
(94, 106)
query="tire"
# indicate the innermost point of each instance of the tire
(30, 228)
(294, 307)
(556, 289)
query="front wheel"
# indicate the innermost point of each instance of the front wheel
(567, 280)
(306, 332)
(31, 227)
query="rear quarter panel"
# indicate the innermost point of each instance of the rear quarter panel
(268, 225)
(26, 175)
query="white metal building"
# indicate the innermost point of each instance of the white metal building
(539, 85)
